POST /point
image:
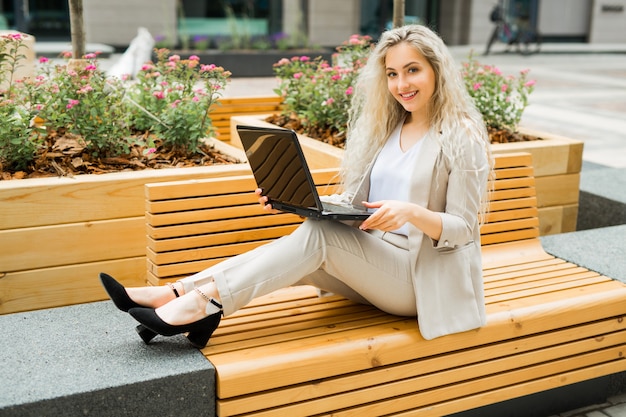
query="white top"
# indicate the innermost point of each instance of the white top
(390, 178)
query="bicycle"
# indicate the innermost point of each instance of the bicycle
(525, 38)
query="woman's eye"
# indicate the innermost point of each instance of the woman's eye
(391, 74)
(413, 69)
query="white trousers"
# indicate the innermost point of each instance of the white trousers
(329, 255)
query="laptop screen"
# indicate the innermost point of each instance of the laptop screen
(278, 165)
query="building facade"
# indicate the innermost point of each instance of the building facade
(316, 22)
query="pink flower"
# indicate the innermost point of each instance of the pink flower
(85, 89)
(66, 54)
(174, 58)
(525, 71)
(147, 67)
(43, 60)
(39, 106)
(175, 104)
(149, 151)
(476, 86)
(16, 36)
(298, 75)
(349, 91)
(336, 77)
(160, 95)
(504, 87)
(304, 58)
(90, 56)
(91, 68)
(207, 68)
(195, 99)
(71, 104)
(329, 101)
(496, 71)
(194, 58)
(530, 83)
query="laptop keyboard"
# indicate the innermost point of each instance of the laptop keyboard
(339, 208)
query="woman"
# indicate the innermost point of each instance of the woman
(418, 157)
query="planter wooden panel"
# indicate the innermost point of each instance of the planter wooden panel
(557, 161)
(56, 234)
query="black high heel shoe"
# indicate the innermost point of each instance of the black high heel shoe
(117, 293)
(199, 332)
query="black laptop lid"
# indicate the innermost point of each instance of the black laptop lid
(278, 165)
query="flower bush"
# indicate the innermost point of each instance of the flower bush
(319, 92)
(501, 99)
(101, 117)
(172, 98)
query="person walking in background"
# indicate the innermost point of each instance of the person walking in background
(417, 156)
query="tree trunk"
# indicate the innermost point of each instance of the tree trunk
(398, 13)
(78, 31)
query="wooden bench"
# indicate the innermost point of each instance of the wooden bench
(225, 108)
(550, 323)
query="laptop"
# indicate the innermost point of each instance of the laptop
(280, 170)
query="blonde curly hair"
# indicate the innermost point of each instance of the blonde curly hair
(375, 113)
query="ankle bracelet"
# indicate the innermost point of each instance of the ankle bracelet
(208, 299)
(169, 284)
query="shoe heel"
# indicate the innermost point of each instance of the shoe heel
(146, 334)
(199, 339)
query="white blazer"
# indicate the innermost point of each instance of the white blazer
(447, 274)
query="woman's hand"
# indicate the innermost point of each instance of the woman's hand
(390, 215)
(263, 201)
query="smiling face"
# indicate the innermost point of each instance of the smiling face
(410, 78)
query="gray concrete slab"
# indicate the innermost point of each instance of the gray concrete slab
(602, 250)
(602, 198)
(87, 360)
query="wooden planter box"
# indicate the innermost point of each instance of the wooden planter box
(557, 162)
(57, 234)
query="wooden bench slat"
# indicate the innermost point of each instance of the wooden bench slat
(208, 253)
(172, 244)
(518, 159)
(529, 272)
(297, 331)
(167, 232)
(508, 236)
(581, 337)
(507, 253)
(515, 224)
(550, 288)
